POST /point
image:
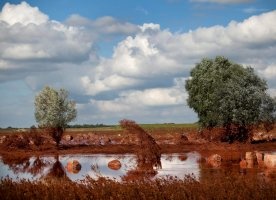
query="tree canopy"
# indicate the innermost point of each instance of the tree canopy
(53, 110)
(224, 93)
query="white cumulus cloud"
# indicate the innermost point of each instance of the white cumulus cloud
(153, 54)
(22, 13)
(31, 42)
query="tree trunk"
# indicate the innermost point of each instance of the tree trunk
(58, 135)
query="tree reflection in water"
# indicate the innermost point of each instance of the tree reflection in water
(57, 170)
(24, 164)
(38, 166)
(35, 166)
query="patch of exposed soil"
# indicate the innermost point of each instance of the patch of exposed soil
(119, 141)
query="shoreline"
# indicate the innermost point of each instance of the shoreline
(205, 148)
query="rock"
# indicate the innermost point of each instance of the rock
(260, 158)
(270, 160)
(183, 137)
(3, 139)
(251, 159)
(261, 137)
(114, 164)
(104, 140)
(68, 138)
(243, 164)
(182, 157)
(270, 173)
(214, 160)
(73, 166)
(31, 142)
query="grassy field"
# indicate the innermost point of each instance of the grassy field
(168, 126)
(147, 127)
(144, 126)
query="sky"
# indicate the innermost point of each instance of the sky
(125, 59)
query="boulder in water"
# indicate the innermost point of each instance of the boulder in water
(73, 166)
(114, 164)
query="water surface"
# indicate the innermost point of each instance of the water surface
(96, 165)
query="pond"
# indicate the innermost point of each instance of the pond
(96, 165)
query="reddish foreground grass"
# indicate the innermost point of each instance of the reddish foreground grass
(229, 186)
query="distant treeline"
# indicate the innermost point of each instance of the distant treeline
(9, 127)
(71, 126)
(88, 126)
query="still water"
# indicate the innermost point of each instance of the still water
(96, 165)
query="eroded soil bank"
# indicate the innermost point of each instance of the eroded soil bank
(118, 142)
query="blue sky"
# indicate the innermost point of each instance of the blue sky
(125, 59)
(177, 15)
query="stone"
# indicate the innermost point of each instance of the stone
(31, 142)
(68, 137)
(243, 164)
(3, 139)
(183, 137)
(260, 158)
(270, 160)
(73, 166)
(261, 137)
(251, 159)
(114, 164)
(182, 157)
(214, 160)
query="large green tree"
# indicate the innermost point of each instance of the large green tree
(229, 95)
(53, 111)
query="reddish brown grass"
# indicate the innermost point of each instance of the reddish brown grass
(149, 151)
(227, 187)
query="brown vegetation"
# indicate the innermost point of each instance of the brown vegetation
(149, 151)
(229, 186)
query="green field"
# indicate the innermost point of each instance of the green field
(147, 127)
(168, 126)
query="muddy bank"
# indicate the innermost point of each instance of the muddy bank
(118, 141)
(227, 150)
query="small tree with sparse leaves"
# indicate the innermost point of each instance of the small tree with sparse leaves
(53, 111)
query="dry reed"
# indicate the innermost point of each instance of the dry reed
(230, 186)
